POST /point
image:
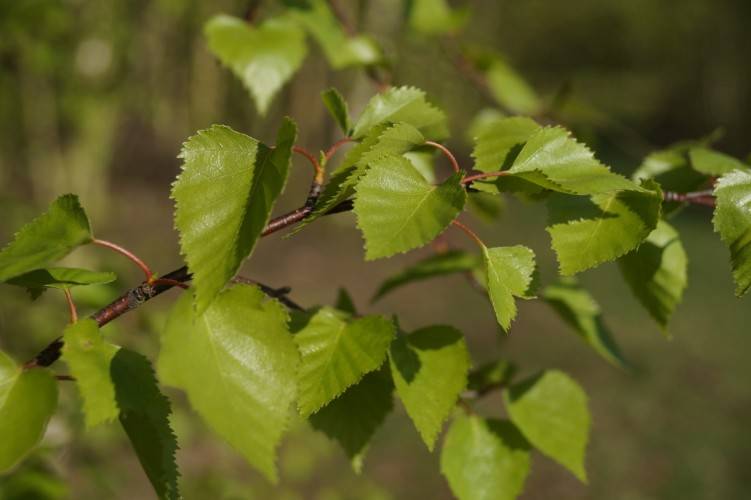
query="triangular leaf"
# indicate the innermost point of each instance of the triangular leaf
(402, 104)
(46, 239)
(224, 198)
(336, 352)
(429, 368)
(397, 210)
(732, 219)
(485, 459)
(345, 303)
(551, 411)
(580, 311)
(587, 232)
(711, 162)
(656, 272)
(237, 362)
(353, 418)
(28, 398)
(338, 109)
(509, 272)
(453, 261)
(500, 141)
(264, 58)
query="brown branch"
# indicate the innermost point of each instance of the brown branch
(705, 198)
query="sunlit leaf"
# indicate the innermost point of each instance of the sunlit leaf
(732, 219)
(509, 272)
(402, 104)
(338, 109)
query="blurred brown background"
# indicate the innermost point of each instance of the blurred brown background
(97, 97)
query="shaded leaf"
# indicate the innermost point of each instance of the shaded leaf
(429, 368)
(338, 109)
(402, 104)
(237, 362)
(579, 310)
(509, 272)
(223, 200)
(46, 239)
(353, 418)
(28, 398)
(336, 351)
(345, 303)
(397, 210)
(485, 459)
(499, 142)
(551, 411)
(264, 58)
(711, 162)
(656, 272)
(492, 374)
(732, 219)
(453, 261)
(433, 17)
(60, 277)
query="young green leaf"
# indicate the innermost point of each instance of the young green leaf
(551, 411)
(89, 359)
(345, 303)
(402, 104)
(579, 310)
(119, 383)
(500, 141)
(28, 398)
(60, 277)
(336, 351)
(340, 49)
(397, 210)
(656, 272)
(552, 159)
(711, 162)
(338, 109)
(144, 414)
(453, 261)
(485, 459)
(434, 17)
(353, 417)
(381, 140)
(587, 232)
(509, 272)
(224, 198)
(46, 239)
(732, 219)
(264, 58)
(237, 362)
(429, 368)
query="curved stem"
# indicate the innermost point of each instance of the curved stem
(477, 177)
(65, 378)
(313, 161)
(469, 233)
(71, 306)
(335, 147)
(447, 153)
(130, 255)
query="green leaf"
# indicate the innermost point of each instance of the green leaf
(433, 17)
(119, 383)
(345, 303)
(402, 104)
(46, 239)
(264, 58)
(656, 272)
(732, 219)
(60, 277)
(353, 418)
(340, 49)
(586, 232)
(338, 109)
(579, 310)
(453, 261)
(336, 352)
(710, 162)
(509, 274)
(144, 414)
(237, 362)
(380, 141)
(551, 411)
(500, 141)
(429, 368)
(223, 199)
(552, 159)
(492, 374)
(397, 210)
(89, 359)
(28, 398)
(486, 206)
(671, 169)
(485, 459)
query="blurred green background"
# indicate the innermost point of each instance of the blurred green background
(97, 97)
